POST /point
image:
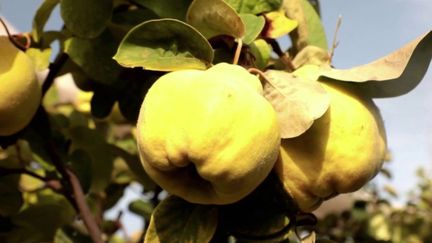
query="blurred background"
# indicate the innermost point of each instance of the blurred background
(370, 29)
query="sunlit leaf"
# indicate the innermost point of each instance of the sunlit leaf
(167, 8)
(254, 6)
(278, 24)
(297, 101)
(94, 57)
(86, 18)
(40, 57)
(175, 220)
(41, 17)
(261, 51)
(164, 45)
(215, 17)
(253, 27)
(393, 75)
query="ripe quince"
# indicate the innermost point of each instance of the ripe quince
(343, 149)
(20, 92)
(209, 137)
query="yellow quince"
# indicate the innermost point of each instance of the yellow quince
(20, 92)
(342, 150)
(209, 137)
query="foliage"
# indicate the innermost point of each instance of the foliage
(74, 160)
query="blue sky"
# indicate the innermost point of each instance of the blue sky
(370, 29)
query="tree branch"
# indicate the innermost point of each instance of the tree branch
(84, 210)
(54, 70)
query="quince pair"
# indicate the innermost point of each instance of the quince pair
(210, 137)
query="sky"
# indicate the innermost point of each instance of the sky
(370, 29)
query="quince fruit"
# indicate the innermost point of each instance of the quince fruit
(20, 92)
(343, 149)
(209, 137)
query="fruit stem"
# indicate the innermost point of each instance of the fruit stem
(335, 41)
(238, 51)
(11, 38)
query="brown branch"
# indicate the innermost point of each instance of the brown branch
(284, 56)
(84, 210)
(10, 171)
(54, 70)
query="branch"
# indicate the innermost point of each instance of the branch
(285, 58)
(54, 70)
(9, 171)
(335, 41)
(84, 210)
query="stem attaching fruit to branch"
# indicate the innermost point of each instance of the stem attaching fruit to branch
(238, 51)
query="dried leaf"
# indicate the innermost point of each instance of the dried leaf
(219, 19)
(313, 55)
(401, 70)
(297, 101)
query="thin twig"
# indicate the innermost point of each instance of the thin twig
(54, 69)
(10, 171)
(11, 38)
(284, 56)
(335, 41)
(84, 210)
(238, 51)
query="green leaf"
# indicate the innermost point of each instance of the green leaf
(254, 6)
(297, 101)
(135, 167)
(92, 141)
(310, 30)
(11, 198)
(253, 27)
(41, 17)
(393, 75)
(81, 164)
(142, 208)
(215, 17)
(167, 8)
(38, 223)
(94, 57)
(261, 51)
(86, 18)
(175, 220)
(68, 234)
(315, 29)
(40, 57)
(164, 45)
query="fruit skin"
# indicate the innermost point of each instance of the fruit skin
(342, 151)
(20, 93)
(208, 137)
